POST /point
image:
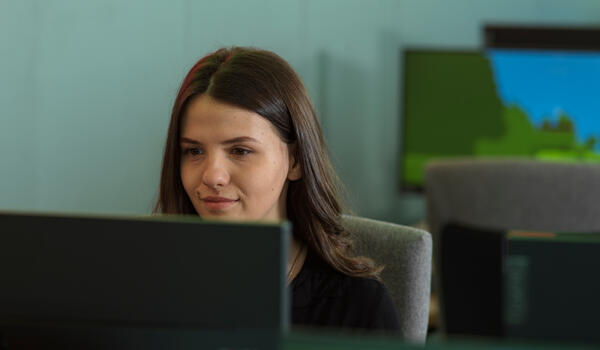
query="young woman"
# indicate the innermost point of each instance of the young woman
(244, 143)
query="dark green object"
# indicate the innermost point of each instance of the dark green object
(552, 287)
(148, 283)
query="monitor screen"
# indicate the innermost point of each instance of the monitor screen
(499, 102)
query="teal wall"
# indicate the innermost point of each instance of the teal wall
(86, 86)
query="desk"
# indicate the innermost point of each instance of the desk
(169, 339)
(322, 341)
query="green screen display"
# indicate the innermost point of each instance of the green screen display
(542, 105)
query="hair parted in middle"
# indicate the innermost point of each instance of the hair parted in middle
(262, 82)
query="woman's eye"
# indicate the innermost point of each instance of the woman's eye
(192, 151)
(240, 151)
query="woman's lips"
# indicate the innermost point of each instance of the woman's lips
(218, 203)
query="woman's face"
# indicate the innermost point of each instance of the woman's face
(234, 166)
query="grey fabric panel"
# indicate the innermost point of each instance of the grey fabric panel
(508, 194)
(513, 194)
(406, 254)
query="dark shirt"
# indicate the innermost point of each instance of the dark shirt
(324, 297)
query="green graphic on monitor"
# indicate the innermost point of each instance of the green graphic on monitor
(543, 105)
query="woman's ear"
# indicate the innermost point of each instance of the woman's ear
(295, 171)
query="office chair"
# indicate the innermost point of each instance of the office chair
(507, 194)
(406, 254)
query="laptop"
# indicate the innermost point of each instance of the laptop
(152, 283)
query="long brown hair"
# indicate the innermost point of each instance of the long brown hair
(262, 82)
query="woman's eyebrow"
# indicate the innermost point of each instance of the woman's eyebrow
(188, 140)
(241, 139)
(226, 142)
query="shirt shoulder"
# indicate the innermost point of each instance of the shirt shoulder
(323, 296)
(372, 305)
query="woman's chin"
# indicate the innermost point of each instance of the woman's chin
(221, 218)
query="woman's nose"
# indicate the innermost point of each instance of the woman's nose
(215, 173)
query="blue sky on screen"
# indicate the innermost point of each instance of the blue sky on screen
(546, 83)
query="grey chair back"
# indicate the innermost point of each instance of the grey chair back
(406, 254)
(505, 194)
(513, 194)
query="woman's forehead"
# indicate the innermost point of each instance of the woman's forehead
(206, 117)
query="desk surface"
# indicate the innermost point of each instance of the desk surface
(168, 339)
(316, 341)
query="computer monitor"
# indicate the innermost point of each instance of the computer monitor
(530, 93)
(152, 283)
(520, 284)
